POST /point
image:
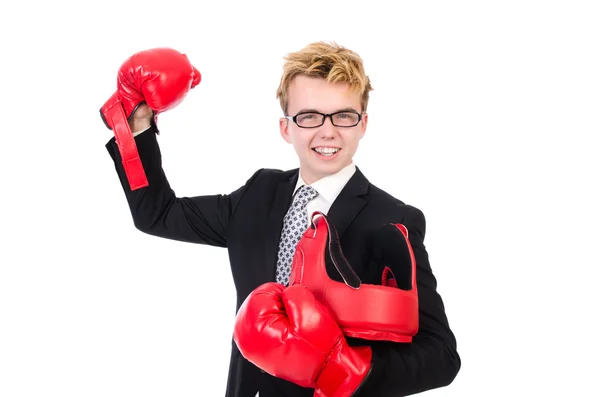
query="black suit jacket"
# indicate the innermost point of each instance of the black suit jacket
(248, 223)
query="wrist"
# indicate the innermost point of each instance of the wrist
(138, 125)
(345, 371)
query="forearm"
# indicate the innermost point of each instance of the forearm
(146, 204)
(429, 362)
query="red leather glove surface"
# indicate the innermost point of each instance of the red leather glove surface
(289, 334)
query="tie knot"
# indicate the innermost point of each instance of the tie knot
(304, 194)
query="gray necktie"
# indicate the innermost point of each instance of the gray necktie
(295, 224)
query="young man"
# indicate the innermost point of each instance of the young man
(324, 94)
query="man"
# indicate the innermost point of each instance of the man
(324, 93)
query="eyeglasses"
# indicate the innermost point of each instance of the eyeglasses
(316, 119)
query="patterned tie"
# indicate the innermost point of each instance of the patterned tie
(295, 224)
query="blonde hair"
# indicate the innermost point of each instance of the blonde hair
(329, 61)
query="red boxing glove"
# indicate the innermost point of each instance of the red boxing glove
(289, 334)
(159, 77)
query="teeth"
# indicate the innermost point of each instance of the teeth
(327, 151)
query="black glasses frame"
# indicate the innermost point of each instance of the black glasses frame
(330, 115)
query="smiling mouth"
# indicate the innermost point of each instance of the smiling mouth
(326, 151)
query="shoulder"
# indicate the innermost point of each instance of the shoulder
(394, 208)
(272, 175)
(381, 197)
(265, 179)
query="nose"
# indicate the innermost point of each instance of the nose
(328, 130)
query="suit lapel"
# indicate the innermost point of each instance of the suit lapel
(349, 202)
(342, 212)
(281, 203)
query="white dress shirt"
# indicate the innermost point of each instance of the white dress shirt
(328, 188)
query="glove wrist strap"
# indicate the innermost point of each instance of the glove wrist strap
(344, 372)
(126, 143)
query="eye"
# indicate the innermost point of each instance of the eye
(308, 116)
(346, 116)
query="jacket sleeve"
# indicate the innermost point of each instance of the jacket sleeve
(431, 360)
(157, 211)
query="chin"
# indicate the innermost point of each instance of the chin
(321, 167)
(327, 169)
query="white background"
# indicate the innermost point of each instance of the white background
(483, 115)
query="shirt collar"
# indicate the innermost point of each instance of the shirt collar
(330, 186)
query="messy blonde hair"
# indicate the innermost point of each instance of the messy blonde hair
(329, 61)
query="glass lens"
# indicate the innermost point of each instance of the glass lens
(309, 119)
(345, 119)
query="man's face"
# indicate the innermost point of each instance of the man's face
(315, 145)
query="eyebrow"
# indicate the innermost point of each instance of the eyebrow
(348, 109)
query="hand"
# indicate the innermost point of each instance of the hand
(159, 78)
(289, 334)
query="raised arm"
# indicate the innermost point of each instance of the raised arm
(157, 210)
(148, 83)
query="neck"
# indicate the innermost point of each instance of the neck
(312, 177)
(309, 178)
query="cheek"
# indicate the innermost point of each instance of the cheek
(300, 141)
(352, 143)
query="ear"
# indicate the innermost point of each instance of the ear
(284, 129)
(363, 124)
